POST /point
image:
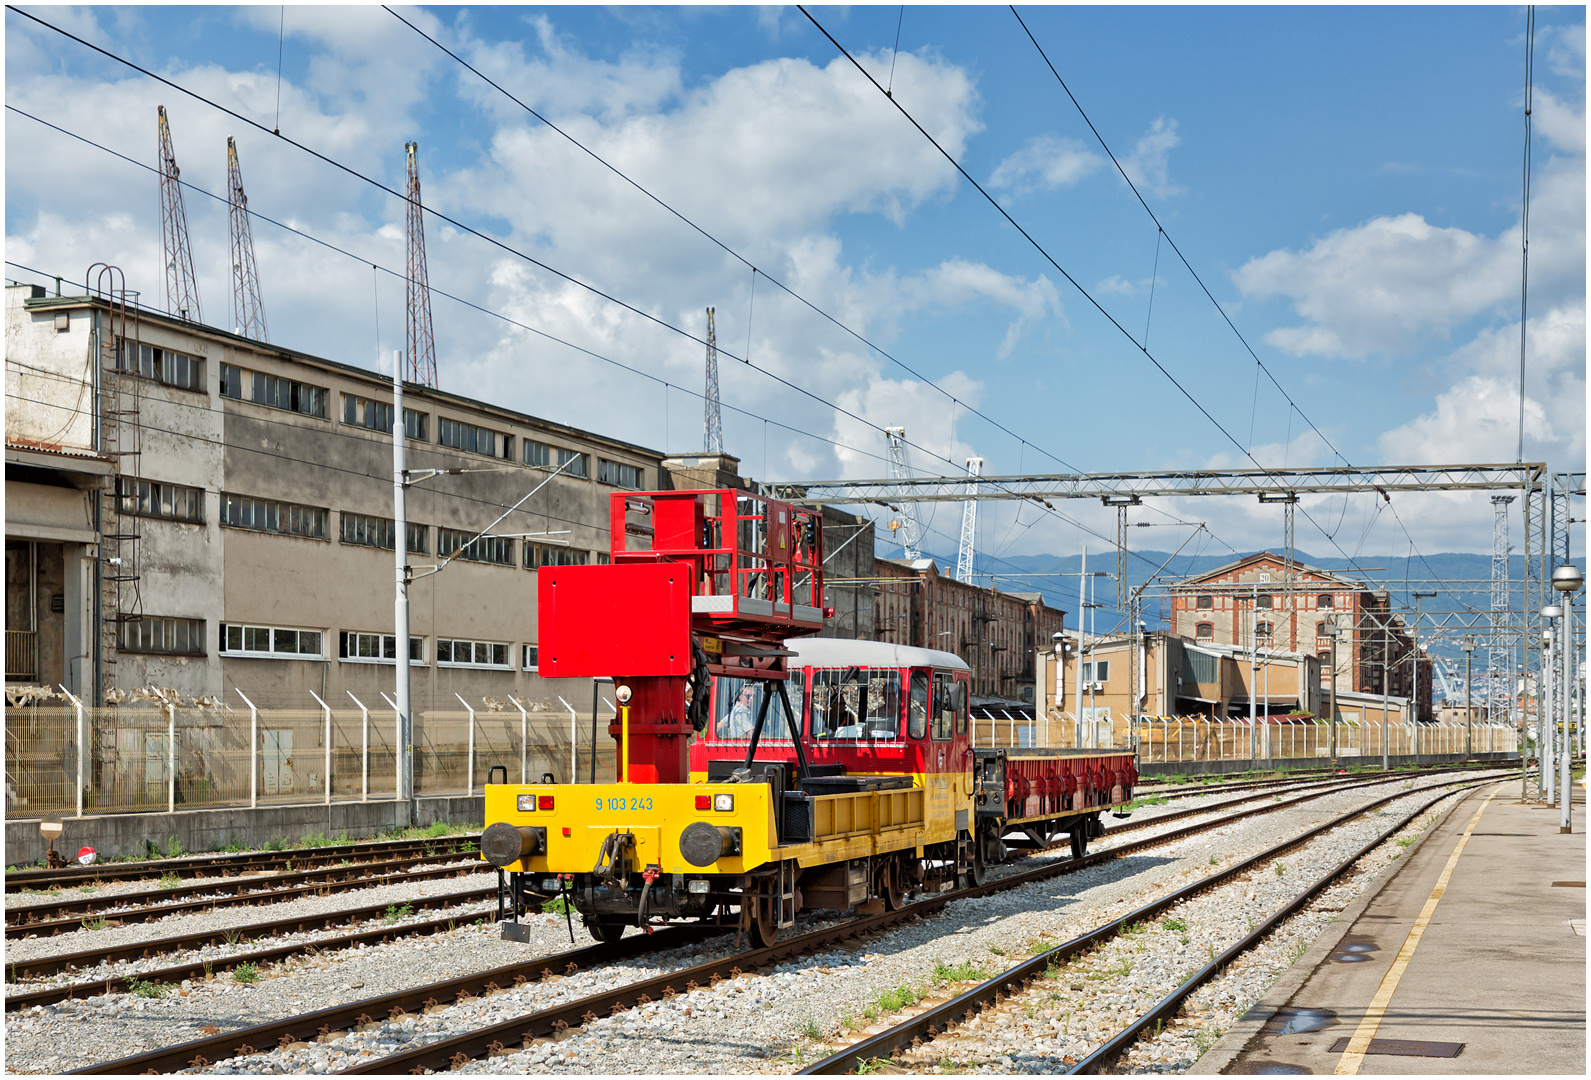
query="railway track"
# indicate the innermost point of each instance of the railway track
(231, 864)
(494, 1038)
(1197, 787)
(64, 917)
(918, 1031)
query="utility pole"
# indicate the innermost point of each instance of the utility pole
(1082, 611)
(712, 414)
(1414, 691)
(248, 309)
(1546, 703)
(182, 287)
(1331, 691)
(1253, 678)
(1469, 690)
(400, 603)
(1386, 686)
(417, 335)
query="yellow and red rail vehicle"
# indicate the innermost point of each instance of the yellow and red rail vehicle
(760, 771)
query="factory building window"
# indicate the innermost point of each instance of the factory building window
(268, 515)
(1096, 671)
(157, 634)
(532, 659)
(1205, 602)
(475, 440)
(1325, 600)
(451, 543)
(539, 555)
(277, 393)
(163, 365)
(151, 498)
(618, 474)
(377, 532)
(1263, 601)
(358, 648)
(1262, 631)
(377, 416)
(1204, 631)
(542, 456)
(270, 642)
(480, 654)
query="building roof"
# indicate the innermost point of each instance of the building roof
(1267, 556)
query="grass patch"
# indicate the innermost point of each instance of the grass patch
(965, 971)
(97, 924)
(996, 950)
(899, 998)
(1176, 926)
(246, 973)
(316, 840)
(395, 912)
(169, 880)
(809, 1030)
(1147, 800)
(1405, 841)
(558, 905)
(144, 988)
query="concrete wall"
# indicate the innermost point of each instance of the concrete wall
(200, 831)
(49, 379)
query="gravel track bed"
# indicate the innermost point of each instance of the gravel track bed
(1066, 1015)
(239, 917)
(755, 1023)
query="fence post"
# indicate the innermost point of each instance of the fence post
(469, 764)
(524, 777)
(574, 757)
(77, 705)
(364, 751)
(254, 751)
(171, 758)
(325, 708)
(397, 743)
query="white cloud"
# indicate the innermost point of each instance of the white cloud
(1045, 162)
(1149, 164)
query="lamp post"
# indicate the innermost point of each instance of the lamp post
(1469, 719)
(1567, 579)
(1414, 688)
(1547, 709)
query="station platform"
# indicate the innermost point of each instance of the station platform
(1468, 957)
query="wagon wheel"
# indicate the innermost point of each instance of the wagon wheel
(1079, 838)
(764, 926)
(606, 932)
(893, 887)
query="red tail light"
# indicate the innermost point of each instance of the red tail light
(704, 802)
(544, 802)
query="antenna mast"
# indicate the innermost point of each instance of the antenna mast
(248, 310)
(907, 519)
(713, 418)
(421, 344)
(182, 288)
(969, 522)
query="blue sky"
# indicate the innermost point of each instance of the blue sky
(1346, 182)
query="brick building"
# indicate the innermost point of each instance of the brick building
(1245, 603)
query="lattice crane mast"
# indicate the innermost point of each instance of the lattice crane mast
(906, 517)
(248, 310)
(712, 420)
(420, 343)
(182, 287)
(969, 522)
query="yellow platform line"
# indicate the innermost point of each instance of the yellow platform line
(1353, 1057)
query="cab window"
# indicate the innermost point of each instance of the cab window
(958, 705)
(836, 704)
(736, 703)
(942, 722)
(917, 723)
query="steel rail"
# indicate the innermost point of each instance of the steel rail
(1171, 1004)
(251, 898)
(20, 970)
(198, 865)
(442, 1054)
(931, 1021)
(201, 969)
(450, 1052)
(1161, 788)
(308, 1027)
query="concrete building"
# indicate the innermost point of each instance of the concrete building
(250, 489)
(1245, 603)
(995, 632)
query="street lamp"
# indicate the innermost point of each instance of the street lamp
(1414, 688)
(1567, 579)
(1330, 627)
(1469, 689)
